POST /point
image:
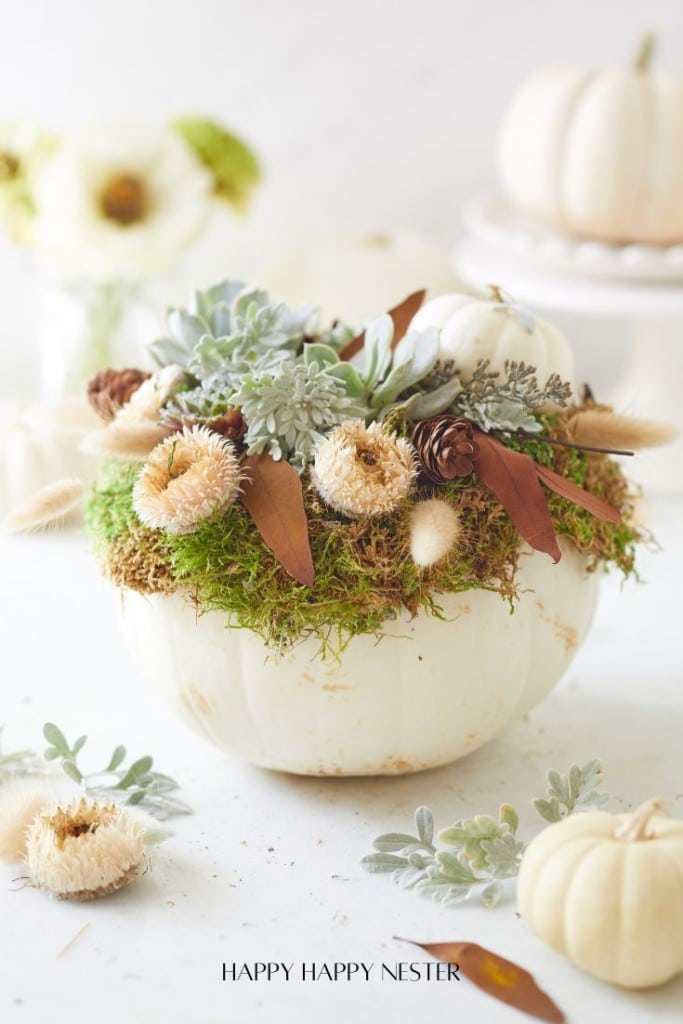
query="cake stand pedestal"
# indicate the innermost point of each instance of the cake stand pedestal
(643, 317)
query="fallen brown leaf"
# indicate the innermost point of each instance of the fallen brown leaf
(497, 976)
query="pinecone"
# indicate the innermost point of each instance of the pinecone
(445, 447)
(231, 425)
(108, 390)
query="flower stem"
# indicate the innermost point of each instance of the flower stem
(634, 829)
(646, 49)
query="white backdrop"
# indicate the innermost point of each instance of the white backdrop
(370, 113)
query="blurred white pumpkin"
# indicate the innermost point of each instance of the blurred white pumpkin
(430, 691)
(39, 444)
(598, 152)
(354, 275)
(496, 329)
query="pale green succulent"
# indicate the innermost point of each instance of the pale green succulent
(289, 410)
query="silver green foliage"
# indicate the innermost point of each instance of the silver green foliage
(136, 785)
(290, 409)
(478, 853)
(576, 791)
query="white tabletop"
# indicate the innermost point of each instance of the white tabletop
(266, 869)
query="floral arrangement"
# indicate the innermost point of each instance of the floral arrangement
(314, 481)
(118, 202)
(106, 211)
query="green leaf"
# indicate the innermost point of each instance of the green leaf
(323, 355)
(136, 772)
(71, 770)
(424, 822)
(351, 378)
(56, 737)
(549, 810)
(393, 841)
(491, 894)
(507, 815)
(78, 745)
(116, 759)
(381, 863)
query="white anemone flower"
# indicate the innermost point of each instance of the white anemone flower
(22, 147)
(120, 203)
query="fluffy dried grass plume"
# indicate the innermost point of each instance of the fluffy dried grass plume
(435, 529)
(363, 471)
(145, 403)
(605, 429)
(186, 480)
(20, 802)
(84, 850)
(132, 440)
(49, 504)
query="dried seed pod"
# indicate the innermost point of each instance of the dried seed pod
(109, 390)
(445, 447)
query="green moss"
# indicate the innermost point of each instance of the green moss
(364, 574)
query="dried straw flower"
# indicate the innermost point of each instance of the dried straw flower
(363, 471)
(435, 529)
(186, 480)
(146, 401)
(84, 850)
(50, 503)
(20, 802)
(132, 440)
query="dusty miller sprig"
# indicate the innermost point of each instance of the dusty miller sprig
(136, 785)
(481, 852)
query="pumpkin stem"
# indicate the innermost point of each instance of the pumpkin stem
(496, 292)
(644, 54)
(635, 826)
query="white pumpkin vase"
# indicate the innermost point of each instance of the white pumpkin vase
(598, 152)
(429, 692)
(424, 690)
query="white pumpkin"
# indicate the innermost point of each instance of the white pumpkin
(496, 329)
(428, 692)
(39, 444)
(606, 891)
(597, 152)
(355, 275)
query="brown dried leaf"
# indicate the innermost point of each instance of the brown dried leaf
(598, 507)
(273, 497)
(497, 976)
(513, 479)
(401, 315)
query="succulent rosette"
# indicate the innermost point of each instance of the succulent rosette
(310, 480)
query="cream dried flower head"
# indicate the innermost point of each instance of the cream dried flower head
(146, 401)
(363, 471)
(84, 850)
(186, 480)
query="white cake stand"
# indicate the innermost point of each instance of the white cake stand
(629, 297)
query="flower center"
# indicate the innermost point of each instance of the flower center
(9, 166)
(125, 199)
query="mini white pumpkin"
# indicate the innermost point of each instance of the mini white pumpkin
(428, 692)
(597, 152)
(496, 329)
(606, 891)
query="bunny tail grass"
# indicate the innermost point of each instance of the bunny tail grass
(125, 440)
(611, 430)
(50, 503)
